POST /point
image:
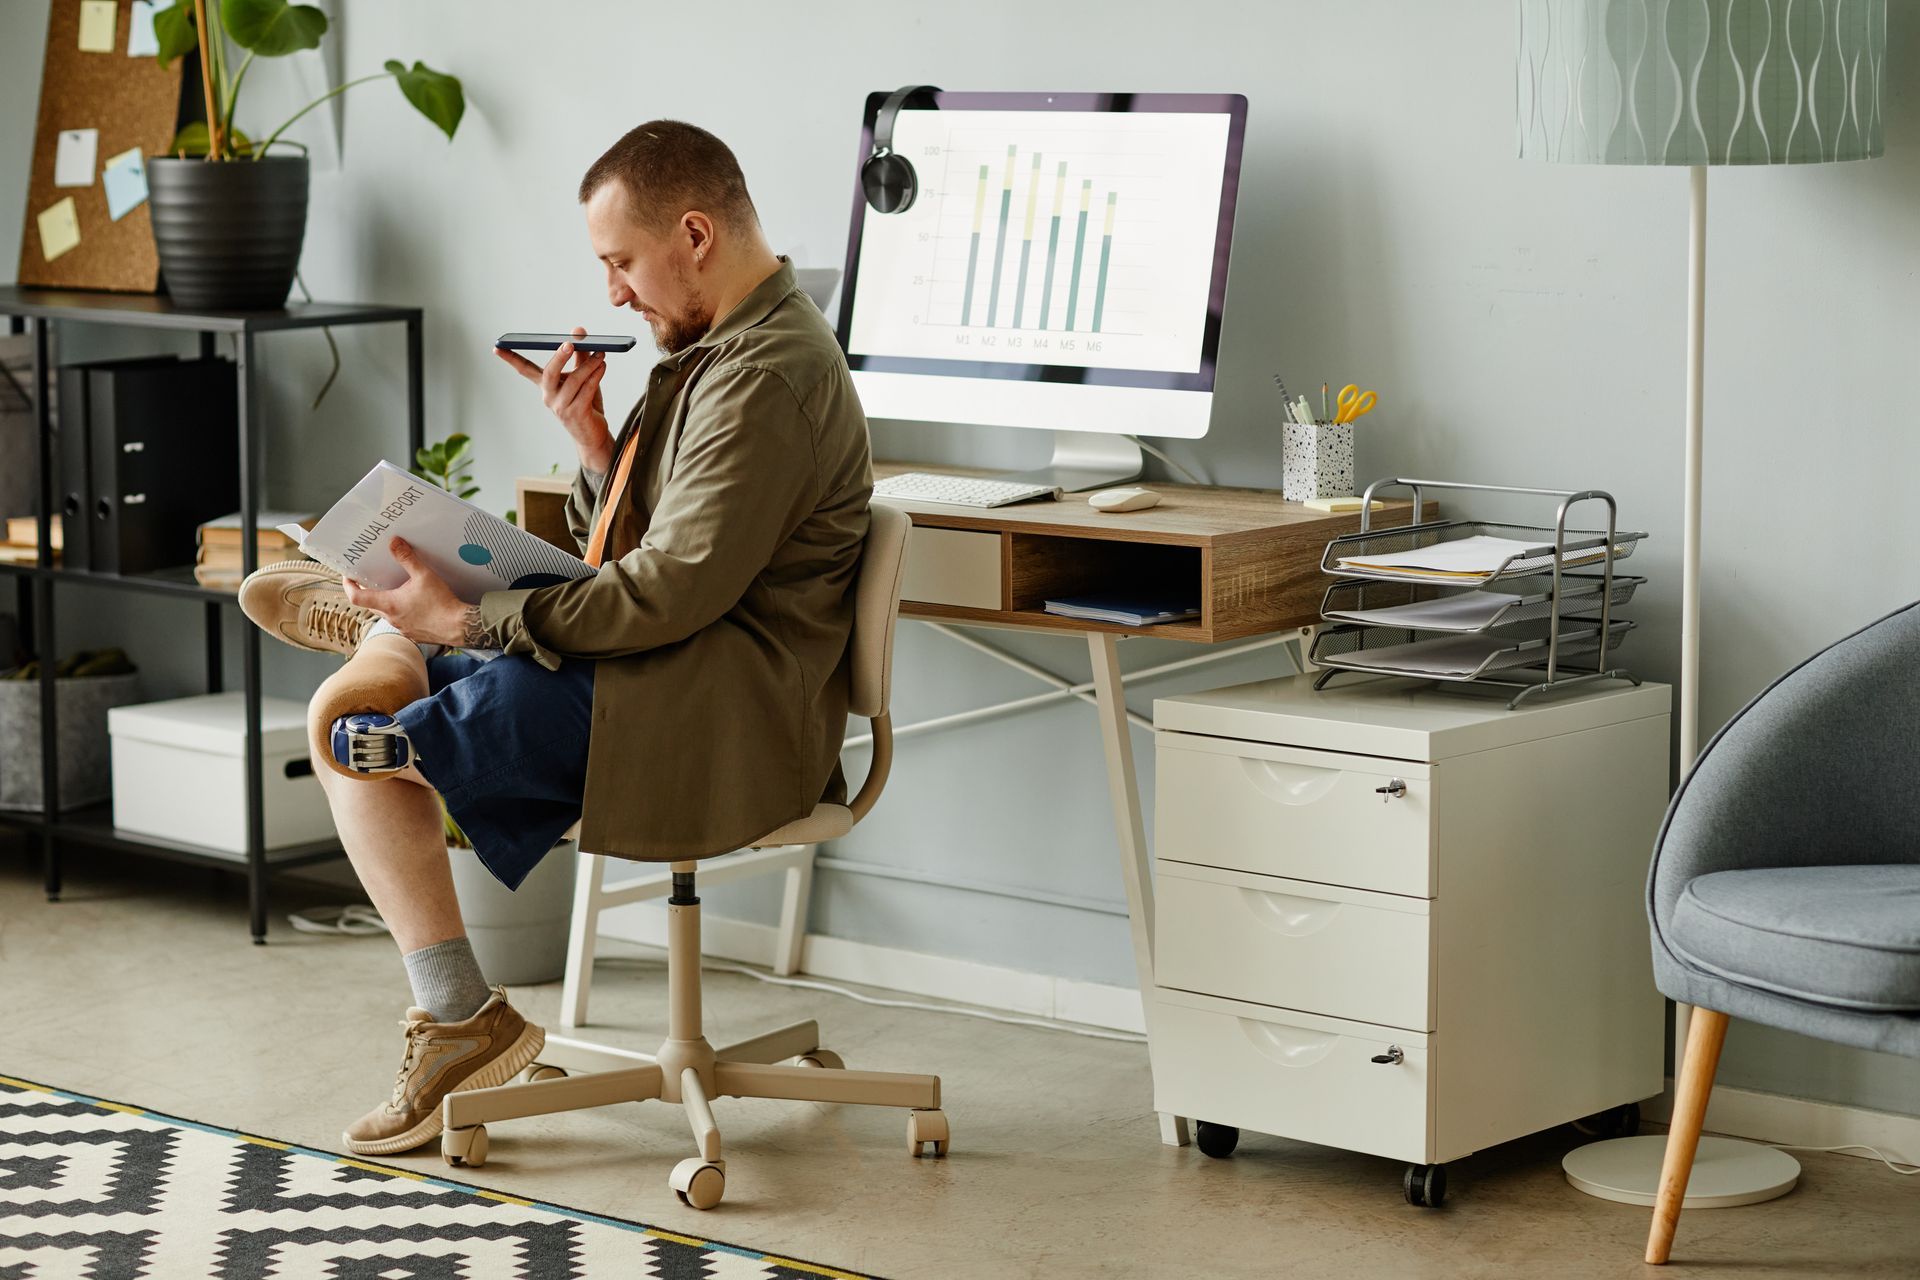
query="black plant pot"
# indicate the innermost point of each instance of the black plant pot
(229, 231)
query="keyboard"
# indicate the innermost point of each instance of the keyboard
(960, 491)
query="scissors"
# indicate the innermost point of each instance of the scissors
(1354, 403)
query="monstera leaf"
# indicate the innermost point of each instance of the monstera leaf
(192, 140)
(173, 32)
(434, 94)
(273, 28)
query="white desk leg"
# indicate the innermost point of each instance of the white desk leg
(1116, 736)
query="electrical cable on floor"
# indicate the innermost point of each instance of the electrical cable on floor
(1883, 1157)
(810, 984)
(1190, 477)
(358, 919)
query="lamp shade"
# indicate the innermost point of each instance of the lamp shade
(1701, 82)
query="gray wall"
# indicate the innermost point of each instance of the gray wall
(1524, 323)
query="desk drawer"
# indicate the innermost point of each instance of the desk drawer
(1344, 953)
(1286, 811)
(953, 566)
(1292, 1075)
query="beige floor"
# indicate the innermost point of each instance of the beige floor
(141, 986)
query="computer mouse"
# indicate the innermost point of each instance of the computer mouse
(1128, 499)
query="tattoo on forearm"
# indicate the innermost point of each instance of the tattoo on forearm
(476, 636)
(593, 478)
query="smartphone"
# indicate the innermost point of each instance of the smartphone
(554, 341)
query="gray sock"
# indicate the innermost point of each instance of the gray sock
(446, 980)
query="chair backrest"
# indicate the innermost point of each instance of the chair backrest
(876, 604)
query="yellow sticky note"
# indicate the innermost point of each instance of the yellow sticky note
(98, 19)
(59, 228)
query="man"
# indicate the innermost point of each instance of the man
(686, 699)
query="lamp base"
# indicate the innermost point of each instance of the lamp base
(1726, 1171)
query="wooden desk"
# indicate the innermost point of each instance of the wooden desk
(1250, 559)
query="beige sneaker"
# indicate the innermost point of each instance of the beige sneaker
(488, 1049)
(302, 603)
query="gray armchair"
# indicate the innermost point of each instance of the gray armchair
(1786, 880)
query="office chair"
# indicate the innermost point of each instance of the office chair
(788, 1063)
(1786, 877)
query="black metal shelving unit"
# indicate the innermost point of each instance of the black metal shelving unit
(40, 310)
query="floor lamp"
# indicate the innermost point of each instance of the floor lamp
(1697, 83)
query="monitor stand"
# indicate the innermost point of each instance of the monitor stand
(1086, 460)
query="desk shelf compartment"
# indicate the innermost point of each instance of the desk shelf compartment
(1042, 567)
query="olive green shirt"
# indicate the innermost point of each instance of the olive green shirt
(719, 621)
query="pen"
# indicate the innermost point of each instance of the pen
(1323, 403)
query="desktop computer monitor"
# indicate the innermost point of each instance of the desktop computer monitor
(1063, 267)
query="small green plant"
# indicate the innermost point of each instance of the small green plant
(273, 29)
(448, 464)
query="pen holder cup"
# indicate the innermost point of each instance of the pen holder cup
(1316, 461)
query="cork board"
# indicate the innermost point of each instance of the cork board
(130, 102)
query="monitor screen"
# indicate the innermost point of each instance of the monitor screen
(1068, 239)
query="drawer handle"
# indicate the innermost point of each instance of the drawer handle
(1289, 783)
(1284, 913)
(1392, 791)
(1287, 1046)
(1393, 1057)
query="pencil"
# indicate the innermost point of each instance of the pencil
(1323, 402)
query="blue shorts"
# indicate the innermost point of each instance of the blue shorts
(505, 744)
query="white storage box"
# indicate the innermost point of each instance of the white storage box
(179, 773)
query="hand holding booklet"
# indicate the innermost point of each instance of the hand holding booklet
(474, 550)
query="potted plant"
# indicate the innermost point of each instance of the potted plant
(519, 935)
(228, 217)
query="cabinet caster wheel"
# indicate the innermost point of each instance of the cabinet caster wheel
(464, 1146)
(822, 1058)
(1425, 1185)
(539, 1071)
(1216, 1140)
(927, 1127)
(698, 1184)
(1614, 1122)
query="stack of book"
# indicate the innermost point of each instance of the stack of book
(221, 544)
(22, 545)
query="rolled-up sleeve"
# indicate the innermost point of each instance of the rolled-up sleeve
(743, 479)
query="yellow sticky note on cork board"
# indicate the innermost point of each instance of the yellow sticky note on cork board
(59, 228)
(98, 20)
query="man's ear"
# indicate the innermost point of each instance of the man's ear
(697, 227)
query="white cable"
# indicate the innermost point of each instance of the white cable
(1191, 478)
(358, 920)
(1044, 1024)
(1884, 1158)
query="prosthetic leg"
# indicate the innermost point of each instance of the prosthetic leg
(384, 674)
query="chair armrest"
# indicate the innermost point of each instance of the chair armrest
(877, 770)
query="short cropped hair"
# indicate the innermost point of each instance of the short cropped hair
(669, 167)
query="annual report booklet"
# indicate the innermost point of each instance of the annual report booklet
(474, 550)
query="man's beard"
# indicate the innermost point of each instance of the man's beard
(673, 334)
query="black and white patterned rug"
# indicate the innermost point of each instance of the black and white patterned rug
(94, 1190)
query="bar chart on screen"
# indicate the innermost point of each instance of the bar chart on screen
(1057, 238)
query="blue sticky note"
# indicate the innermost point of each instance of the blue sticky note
(125, 180)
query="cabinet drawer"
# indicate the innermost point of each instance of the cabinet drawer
(1287, 811)
(952, 566)
(1292, 1075)
(1345, 953)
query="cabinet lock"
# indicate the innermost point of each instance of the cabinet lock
(1393, 1057)
(1394, 789)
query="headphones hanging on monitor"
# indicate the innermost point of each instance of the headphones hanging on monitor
(888, 179)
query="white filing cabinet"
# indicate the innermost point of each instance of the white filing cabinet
(1405, 920)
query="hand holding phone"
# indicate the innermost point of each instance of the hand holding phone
(571, 394)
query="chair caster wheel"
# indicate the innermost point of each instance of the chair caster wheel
(464, 1146)
(698, 1184)
(1614, 1122)
(1216, 1140)
(538, 1071)
(1425, 1185)
(927, 1127)
(822, 1058)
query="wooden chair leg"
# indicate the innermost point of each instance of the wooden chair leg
(1708, 1032)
